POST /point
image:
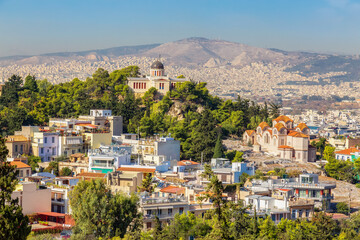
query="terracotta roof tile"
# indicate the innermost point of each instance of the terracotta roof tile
(173, 189)
(187, 163)
(285, 146)
(279, 126)
(263, 125)
(302, 126)
(297, 134)
(347, 151)
(283, 118)
(91, 175)
(250, 132)
(19, 164)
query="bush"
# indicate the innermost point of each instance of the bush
(342, 207)
(357, 185)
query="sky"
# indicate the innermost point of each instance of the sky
(29, 27)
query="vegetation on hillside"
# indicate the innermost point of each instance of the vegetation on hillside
(189, 113)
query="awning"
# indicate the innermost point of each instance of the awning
(52, 214)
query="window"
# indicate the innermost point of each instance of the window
(54, 151)
(148, 212)
(27, 172)
(303, 193)
(307, 212)
(293, 214)
(16, 148)
(181, 210)
(45, 140)
(273, 217)
(53, 139)
(21, 148)
(159, 212)
(148, 225)
(169, 211)
(42, 150)
(20, 173)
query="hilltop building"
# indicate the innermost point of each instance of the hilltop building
(157, 79)
(283, 139)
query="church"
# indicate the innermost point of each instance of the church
(283, 139)
(157, 79)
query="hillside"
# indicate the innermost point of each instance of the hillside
(229, 68)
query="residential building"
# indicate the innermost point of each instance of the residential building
(46, 145)
(305, 187)
(166, 147)
(347, 154)
(125, 182)
(93, 140)
(78, 163)
(70, 144)
(157, 79)
(60, 201)
(28, 131)
(105, 120)
(107, 160)
(23, 169)
(17, 145)
(32, 198)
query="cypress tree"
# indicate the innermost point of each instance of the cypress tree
(13, 224)
(219, 149)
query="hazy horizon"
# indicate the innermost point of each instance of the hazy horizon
(40, 26)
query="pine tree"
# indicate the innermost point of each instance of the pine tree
(13, 224)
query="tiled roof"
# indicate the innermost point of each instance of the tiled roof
(88, 125)
(173, 189)
(19, 164)
(91, 175)
(270, 131)
(263, 125)
(135, 169)
(283, 118)
(285, 146)
(279, 126)
(302, 126)
(16, 138)
(250, 132)
(347, 151)
(187, 163)
(284, 189)
(297, 134)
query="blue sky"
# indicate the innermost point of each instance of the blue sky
(42, 26)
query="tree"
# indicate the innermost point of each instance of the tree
(98, 213)
(238, 157)
(146, 183)
(320, 145)
(33, 162)
(65, 171)
(219, 149)
(53, 168)
(31, 84)
(328, 152)
(342, 207)
(13, 224)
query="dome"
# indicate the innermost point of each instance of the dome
(157, 65)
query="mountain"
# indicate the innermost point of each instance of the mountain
(211, 53)
(196, 53)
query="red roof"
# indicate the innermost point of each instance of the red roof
(284, 189)
(284, 146)
(173, 189)
(19, 164)
(297, 134)
(283, 118)
(302, 126)
(263, 125)
(187, 163)
(250, 132)
(347, 151)
(135, 169)
(52, 214)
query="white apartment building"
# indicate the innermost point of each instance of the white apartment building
(46, 145)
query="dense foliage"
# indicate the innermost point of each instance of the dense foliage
(98, 213)
(13, 224)
(189, 113)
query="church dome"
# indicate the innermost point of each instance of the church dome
(157, 65)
